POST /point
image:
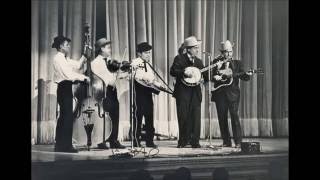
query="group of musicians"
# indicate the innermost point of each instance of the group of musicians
(188, 98)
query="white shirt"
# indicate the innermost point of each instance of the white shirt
(141, 74)
(66, 69)
(99, 68)
(190, 58)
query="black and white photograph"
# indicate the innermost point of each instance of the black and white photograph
(159, 89)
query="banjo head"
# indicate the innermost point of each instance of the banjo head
(194, 79)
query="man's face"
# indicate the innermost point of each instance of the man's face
(194, 51)
(65, 47)
(146, 55)
(227, 54)
(106, 50)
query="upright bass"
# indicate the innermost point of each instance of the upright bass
(86, 103)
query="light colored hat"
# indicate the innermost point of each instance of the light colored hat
(226, 46)
(101, 42)
(191, 41)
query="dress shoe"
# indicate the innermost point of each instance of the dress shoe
(72, 150)
(116, 145)
(225, 145)
(197, 145)
(135, 144)
(67, 150)
(103, 145)
(151, 144)
(237, 146)
(182, 145)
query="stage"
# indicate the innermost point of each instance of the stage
(98, 164)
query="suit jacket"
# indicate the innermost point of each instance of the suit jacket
(232, 91)
(182, 91)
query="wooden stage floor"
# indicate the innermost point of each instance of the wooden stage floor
(99, 164)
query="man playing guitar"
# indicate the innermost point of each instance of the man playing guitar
(227, 97)
(143, 102)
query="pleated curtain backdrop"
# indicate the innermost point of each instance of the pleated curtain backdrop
(258, 28)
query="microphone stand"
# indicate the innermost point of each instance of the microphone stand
(209, 102)
(132, 71)
(158, 75)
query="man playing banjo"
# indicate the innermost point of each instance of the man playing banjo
(188, 98)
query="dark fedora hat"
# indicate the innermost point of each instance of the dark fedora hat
(57, 41)
(101, 42)
(144, 46)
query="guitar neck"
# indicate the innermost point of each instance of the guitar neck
(252, 71)
(211, 66)
(207, 68)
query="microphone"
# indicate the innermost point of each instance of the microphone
(206, 53)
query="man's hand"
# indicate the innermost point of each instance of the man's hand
(148, 82)
(83, 60)
(87, 79)
(249, 73)
(158, 84)
(188, 73)
(217, 77)
(219, 64)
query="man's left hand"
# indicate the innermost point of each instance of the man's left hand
(249, 73)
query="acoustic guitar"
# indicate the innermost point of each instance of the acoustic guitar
(227, 79)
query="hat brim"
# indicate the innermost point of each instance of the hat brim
(98, 46)
(194, 44)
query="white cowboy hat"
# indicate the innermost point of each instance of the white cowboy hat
(191, 41)
(226, 46)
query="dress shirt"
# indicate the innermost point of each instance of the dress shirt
(141, 73)
(66, 69)
(190, 58)
(99, 68)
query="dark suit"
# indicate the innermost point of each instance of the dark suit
(188, 101)
(227, 98)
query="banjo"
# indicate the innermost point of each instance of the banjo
(196, 74)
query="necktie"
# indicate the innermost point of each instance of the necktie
(145, 66)
(192, 60)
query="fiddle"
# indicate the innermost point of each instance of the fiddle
(114, 65)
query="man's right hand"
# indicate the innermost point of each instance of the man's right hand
(217, 77)
(187, 73)
(87, 79)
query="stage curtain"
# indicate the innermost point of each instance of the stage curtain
(258, 28)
